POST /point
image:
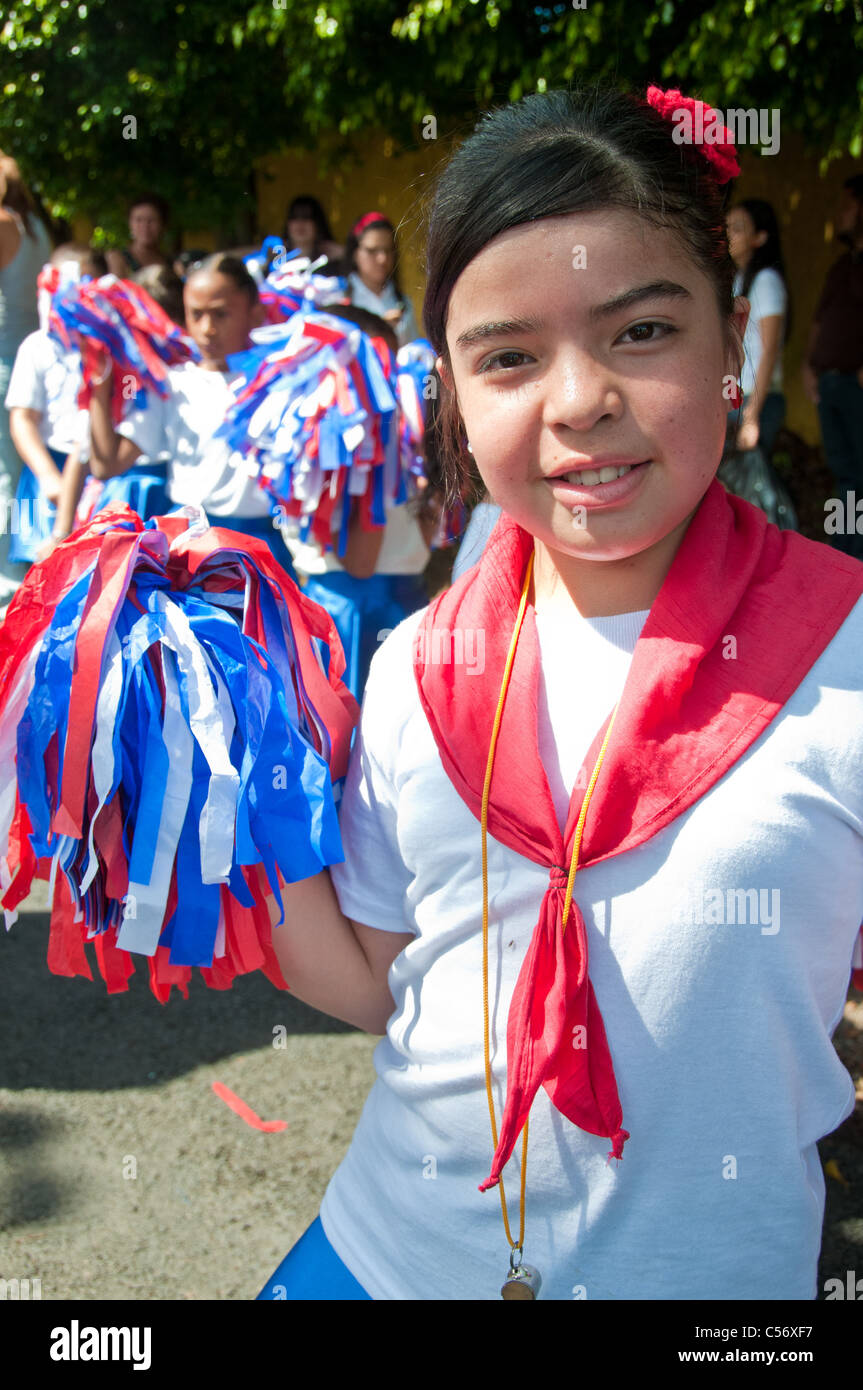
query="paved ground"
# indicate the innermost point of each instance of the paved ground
(95, 1088)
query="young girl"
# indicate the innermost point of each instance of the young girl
(308, 230)
(753, 240)
(371, 262)
(663, 830)
(221, 308)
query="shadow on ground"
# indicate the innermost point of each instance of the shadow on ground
(68, 1034)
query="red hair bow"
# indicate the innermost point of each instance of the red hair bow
(705, 129)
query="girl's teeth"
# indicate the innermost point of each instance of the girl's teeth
(589, 477)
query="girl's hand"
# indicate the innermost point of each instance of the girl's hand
(392, 315)
(51, 487)
(47, 548)
(747, 434)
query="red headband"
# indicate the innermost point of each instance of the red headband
(359, 227)
(718, 147)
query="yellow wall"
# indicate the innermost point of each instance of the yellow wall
(373, 177)
(805, 204)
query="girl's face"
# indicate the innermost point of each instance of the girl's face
(302, 232)
(587, 342)
(376, 257)
(743, 239)
(145, 225)
(219, 317)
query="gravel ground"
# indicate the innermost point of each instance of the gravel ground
(122, 1174)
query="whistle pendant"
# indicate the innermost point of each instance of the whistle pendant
(524, 1282)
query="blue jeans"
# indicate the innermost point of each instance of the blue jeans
(840, 412)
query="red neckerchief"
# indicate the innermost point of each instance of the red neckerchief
(687, 713)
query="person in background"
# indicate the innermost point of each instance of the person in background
(753, 239)
(378, 581)
(46, 425)
(25, 246)
(307, 229)
(371, 266)
(144, 486)
(222, 307)
(833, 365)
(186, 260)
(148, 217)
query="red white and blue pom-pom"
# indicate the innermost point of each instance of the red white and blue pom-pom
(289, 283)
(172, 746)
(415, 385)
(118, 318)
(316, 412)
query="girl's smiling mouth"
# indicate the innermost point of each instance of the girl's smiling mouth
(608, 483)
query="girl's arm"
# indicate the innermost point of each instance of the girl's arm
(24, 429)
(71, 487)
(363, 547)
(331, 962)
(770, 329)
(110, 453)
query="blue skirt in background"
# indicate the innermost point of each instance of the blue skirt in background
(144, 488)
(33, 515)
(364, 611)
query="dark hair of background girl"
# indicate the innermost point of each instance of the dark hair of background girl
(152, 200)
(768, 256)
(232, 268)
(306, 206)
(352, 242)
(551, 154)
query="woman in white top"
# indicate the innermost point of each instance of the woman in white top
(753, 239)
(371, 262)
(25, 246)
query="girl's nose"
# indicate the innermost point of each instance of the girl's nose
(580, 392)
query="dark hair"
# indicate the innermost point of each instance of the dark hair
(353, 240)
(151, 200)
(232, 268)
(555, 153)
(854, 186)
(307, 206)
(190, 260)
(370, 323)
(82, 253)
(768, 256)
(165, 287)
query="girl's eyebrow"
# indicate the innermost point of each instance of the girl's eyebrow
(657, 289)
(498, 328)
(506, 328)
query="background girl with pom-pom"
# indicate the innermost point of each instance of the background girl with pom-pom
(667, 705)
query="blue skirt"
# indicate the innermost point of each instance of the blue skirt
(33, 515)
(312, 1270)
(364, 611)
(144, 488)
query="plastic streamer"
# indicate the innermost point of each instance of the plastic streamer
(118, 318)
(290, 283)
(172, 748)
(316, 412)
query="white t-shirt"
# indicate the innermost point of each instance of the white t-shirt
(47, 378)
(719, 1023)
(767, 297)
(406, 330)
(202, 471)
